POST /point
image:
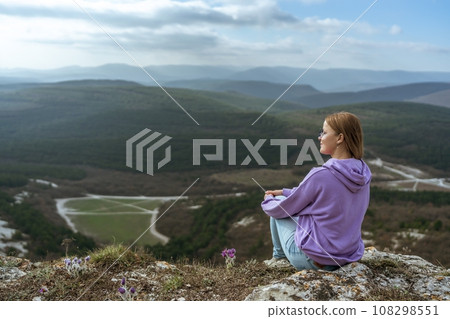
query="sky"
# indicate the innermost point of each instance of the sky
(407, 35)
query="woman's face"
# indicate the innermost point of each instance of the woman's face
(328, 140)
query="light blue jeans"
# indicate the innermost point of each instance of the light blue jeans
(283, 231)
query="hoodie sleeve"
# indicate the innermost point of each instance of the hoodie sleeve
(288, 191)
(296, 199)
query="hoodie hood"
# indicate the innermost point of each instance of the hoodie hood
(353, 173)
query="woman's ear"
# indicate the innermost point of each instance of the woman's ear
(340, 138)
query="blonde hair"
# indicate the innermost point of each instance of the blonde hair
(349, 125)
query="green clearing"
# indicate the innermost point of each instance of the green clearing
(97, 205)
(120, 228)
(125, 225)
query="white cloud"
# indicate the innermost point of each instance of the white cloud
(314, 24)
(395, 29)
(185, 32)
(139, 21)
(156, 13)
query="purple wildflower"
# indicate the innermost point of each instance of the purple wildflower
(43, 290)
(224, 253)
(87, 258)
(122, 290)
(123, 281)
(132, 290)
(231, 252)
(229, 255)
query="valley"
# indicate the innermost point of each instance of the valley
(63, 143)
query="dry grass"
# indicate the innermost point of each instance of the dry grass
(391, 268)
(152, 279)
(159, 280)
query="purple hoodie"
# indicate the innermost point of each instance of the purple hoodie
(330, 204)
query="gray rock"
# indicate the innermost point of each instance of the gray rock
(378, 273)
(10, 273)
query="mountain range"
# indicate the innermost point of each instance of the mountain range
(435, 93)
(327, 80)
(87, 122)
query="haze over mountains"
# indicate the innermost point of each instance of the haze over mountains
(427, 92)
(328, 80)
(317, 88)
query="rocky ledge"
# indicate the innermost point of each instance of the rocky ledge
(378, 276)
(394, 276)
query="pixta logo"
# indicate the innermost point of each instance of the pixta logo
(141, 149)
(253, 151)
(150, 143)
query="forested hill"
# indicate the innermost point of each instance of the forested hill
(426, 92)
(89, 122)
(410, 133)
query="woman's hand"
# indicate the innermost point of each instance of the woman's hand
(277, 192)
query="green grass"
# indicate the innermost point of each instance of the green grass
(97, 205)
(114, 220)
(90, 205)
(147, 204)
(120, 228)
